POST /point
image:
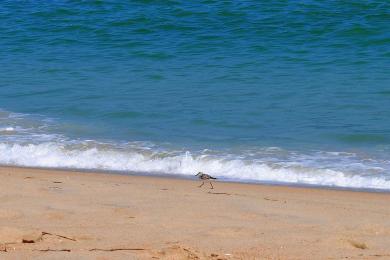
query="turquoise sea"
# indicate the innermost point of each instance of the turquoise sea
(294, 92)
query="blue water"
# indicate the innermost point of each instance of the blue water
(279, 91)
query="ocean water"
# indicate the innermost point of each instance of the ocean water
(294, 92)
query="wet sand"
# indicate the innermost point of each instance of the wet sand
(49, 214)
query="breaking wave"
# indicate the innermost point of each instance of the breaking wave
(31, 142)
(83, 156)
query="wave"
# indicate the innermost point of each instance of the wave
(105, 157)
(35, 141)
(7, 129)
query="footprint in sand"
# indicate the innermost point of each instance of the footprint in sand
(357, 244)
(10, 235)
(177, 252)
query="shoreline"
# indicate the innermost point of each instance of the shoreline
(193, 178)
(89, 215)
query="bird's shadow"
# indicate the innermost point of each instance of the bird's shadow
(219, 193)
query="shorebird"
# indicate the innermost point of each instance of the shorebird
(203, 176)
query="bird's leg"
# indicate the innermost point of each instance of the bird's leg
(211, 185)
(201, 184)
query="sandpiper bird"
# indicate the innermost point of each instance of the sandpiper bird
(203, 176)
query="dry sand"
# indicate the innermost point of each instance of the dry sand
(49, 214)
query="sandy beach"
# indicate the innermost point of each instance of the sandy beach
(50, 214)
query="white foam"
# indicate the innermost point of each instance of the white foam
(62, 155)
(7, 129)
